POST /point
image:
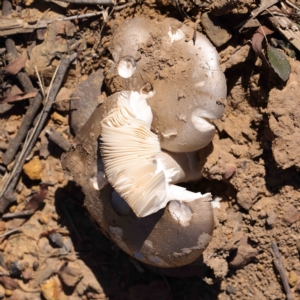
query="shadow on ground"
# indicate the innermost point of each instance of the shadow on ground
(120, 276)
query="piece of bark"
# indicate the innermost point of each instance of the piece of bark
(59, 140)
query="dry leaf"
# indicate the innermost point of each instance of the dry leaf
(8, 283)
(14, 67)
(37, 199)
(257, 40)
(17, 97)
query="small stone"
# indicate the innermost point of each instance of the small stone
(27, 274)
(229, 170)
(56, 239)
(33, 169)
(11, 129)
(50, 289)
(44, 219)
(293, 278)
(291, 215)
(70, 276)
(15, 268)
(12, 208)
(230, 290)
(271, 218)
(35, 265)
(59, 119)
(245, 253)
(8, 293)
(215, 29)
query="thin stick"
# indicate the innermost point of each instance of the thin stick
(59, 140)
(18, 214)
(99, 2)
(11, 181)
(280, 268)
(10, 232)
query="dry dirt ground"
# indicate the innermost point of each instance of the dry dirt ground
(252, 165)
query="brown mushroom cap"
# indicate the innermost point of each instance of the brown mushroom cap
(159, 239)
(189, 86)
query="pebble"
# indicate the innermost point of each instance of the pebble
(27, 274)
(70, 276)
(59, 119)
(12, 208)
(50, 289)
(215, 30)
(11, 129)
(230, 290)
(35, 265)
(291, 215)
(33, 169)
(44, 219)
(8, 293)
(271, 218)
(293, 278)
(245, 253)
(15, 268)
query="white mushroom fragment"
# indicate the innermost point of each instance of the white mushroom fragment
(126, 67)
(130, 153)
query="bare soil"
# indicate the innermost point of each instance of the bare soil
(251, 167)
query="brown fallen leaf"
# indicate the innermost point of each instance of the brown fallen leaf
(17, 97)
(8, 283)
(34, 204)
(15, 66)
(257, 40)
(37, 199)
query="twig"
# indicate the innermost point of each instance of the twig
(23, 213)
(10, 232)
(99, 2)
(11, 180)
(30, 113)
(128, 4)
(280, 268)
(59, 140)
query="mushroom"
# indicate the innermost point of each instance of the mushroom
(130, 155)
(172, 236)
(188, 84)
(167, 89)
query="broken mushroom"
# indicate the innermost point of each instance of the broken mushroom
(188, 84)
(130, 155)
(170, 237)
(167, 87)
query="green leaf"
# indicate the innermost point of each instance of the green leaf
(279, 63)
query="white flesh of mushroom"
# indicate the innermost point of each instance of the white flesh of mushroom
(126, 67)
(176, 36)
(129, 151)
